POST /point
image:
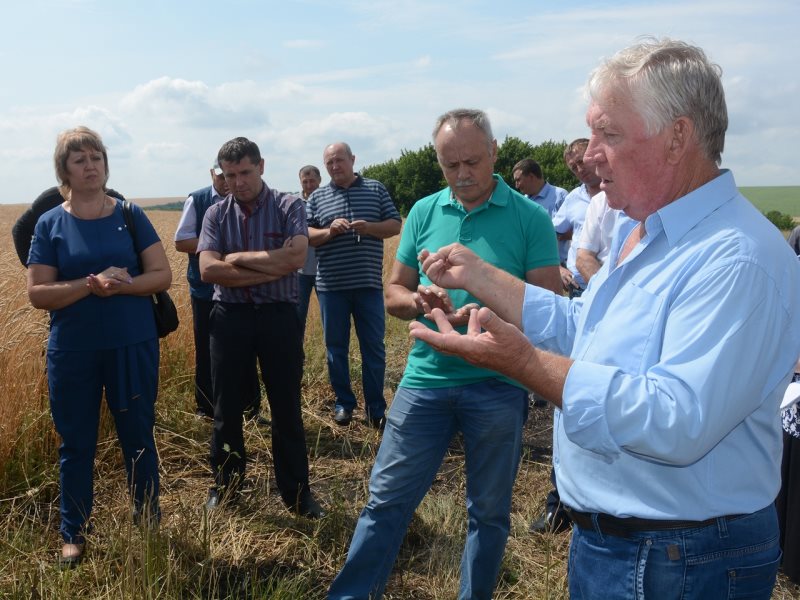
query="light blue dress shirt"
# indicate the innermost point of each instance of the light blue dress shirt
(550, 197)
(682, 354)
(570, 216)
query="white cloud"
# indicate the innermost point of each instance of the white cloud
(377, 73)
(163, 151)
(303, 44)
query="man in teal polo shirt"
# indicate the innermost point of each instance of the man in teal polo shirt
(440, 395)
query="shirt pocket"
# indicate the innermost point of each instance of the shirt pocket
(273, 240)
(630, 332)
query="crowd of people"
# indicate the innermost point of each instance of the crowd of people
(634, 304)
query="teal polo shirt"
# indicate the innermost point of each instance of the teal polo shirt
(508, 231)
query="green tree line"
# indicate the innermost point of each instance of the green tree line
(416, 173)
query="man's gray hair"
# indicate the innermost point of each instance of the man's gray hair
(454, 117)
(668, 79)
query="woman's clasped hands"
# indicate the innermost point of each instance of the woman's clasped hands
(108, 282)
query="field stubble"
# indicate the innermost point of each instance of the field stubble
(256, 549)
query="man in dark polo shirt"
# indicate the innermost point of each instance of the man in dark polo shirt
(348, 220)
(250, 247)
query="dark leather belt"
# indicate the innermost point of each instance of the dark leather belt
(623, 527)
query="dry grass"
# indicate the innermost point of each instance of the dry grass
(256, 549)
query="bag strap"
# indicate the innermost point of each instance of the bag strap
(127, 214)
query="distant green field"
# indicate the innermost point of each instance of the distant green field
(785, 199)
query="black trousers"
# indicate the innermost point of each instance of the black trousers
(270, 333)
(203, 395)
(788, 505)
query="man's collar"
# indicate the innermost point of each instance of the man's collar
(215, 193)
(253, 206)
(498, 197)
(358, 180)
(681, 215)
(541, 193)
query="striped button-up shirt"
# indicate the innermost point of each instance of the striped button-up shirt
(229, 227)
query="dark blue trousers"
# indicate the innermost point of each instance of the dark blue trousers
(129, 376)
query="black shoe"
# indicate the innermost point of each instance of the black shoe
(214, 499)
(217, 499)
(342, 416)
(310, 509)
(378, 423)
(536, 400)
(550, 523)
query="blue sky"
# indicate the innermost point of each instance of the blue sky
(166, 82)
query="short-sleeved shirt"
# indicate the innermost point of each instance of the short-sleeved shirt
(508, 231)
(598, 227)
(78, 247)
(230, 227)
(188, 227)
(349, 261)
(570, 218)
(309, 268)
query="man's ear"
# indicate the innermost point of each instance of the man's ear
(681, 140)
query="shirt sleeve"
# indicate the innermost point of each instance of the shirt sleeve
(42, 251)
(561, 220)
(549, 320)
(388, 209)
(312, 216)
(561, 195)
(542, 248)
(695, 394)
(209, 235)
(590, 234)
(296, 223)
(187, 226)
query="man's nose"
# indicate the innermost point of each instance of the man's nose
(593, 156)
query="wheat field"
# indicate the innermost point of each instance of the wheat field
(255, 549)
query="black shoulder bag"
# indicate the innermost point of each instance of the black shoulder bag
(164, 310)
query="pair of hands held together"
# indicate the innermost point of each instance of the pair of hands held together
(342, 225)
(489, 342)
(108, 282)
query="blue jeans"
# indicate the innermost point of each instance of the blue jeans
(365, 305)
(305, 285)
(419, 426)
(734, 558)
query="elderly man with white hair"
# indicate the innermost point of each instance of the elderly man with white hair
(669, 371)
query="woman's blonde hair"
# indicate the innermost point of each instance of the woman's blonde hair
(73, 140)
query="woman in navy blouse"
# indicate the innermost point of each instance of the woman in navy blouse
(83, 268)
